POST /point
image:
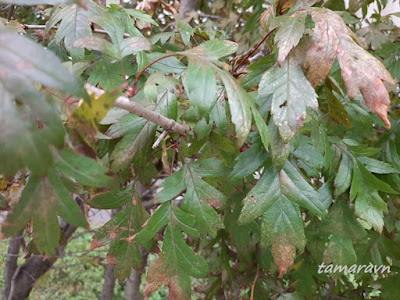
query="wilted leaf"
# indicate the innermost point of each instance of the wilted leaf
(331, 40)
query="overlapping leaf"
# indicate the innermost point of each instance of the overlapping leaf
(200, 197)
(123, 254)
(75, 24)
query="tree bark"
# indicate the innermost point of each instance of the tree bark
(109, 283)
(109, 277)
(186, 6)
(132, 287)
(26, 275)
(11, 262)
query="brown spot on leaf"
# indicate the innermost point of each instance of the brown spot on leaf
(111, 259)
(95, 244)
(283, 254)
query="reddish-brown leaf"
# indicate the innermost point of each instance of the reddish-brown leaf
(283, 254)
(360, 70)
(160, 273)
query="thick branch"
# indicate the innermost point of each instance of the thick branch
(11, 262)
(135, 108)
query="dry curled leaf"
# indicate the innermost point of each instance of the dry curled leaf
(331, 40)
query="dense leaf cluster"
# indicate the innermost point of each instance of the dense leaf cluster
(281, 171)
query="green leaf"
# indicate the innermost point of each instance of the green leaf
(200, 85)
(112, 199)
(340, 251)
(262, 126)
(261, 197)
(336, 109)
(377, 166)
(239, 104)
(125, 255)
(136, 144)
(343, 176)
(292, 95)
(158, 220)
(75, 24)
(282, 221)
(198, 198)
(212, 50)
(23, 61)
(174, 266)
(369, 206)
(297, 189)
(249, 161)
(83, 169)
(167, 65)
(280, 150)
(291, 29)
(172, 186)
(138, 14)
(42, 200)
(341, 222)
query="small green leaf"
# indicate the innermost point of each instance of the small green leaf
(75, 24)
(158, 220)
(262, 126)
(343, 176)
(341, 222)
(249, 161)
(172, 186)
(83, 169)
(336, 109)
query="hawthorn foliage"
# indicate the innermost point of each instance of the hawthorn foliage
(268, 167)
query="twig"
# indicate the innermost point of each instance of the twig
(160, 138)
(122, 102)
(254, 282)
(148, 66)
(252, 52)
